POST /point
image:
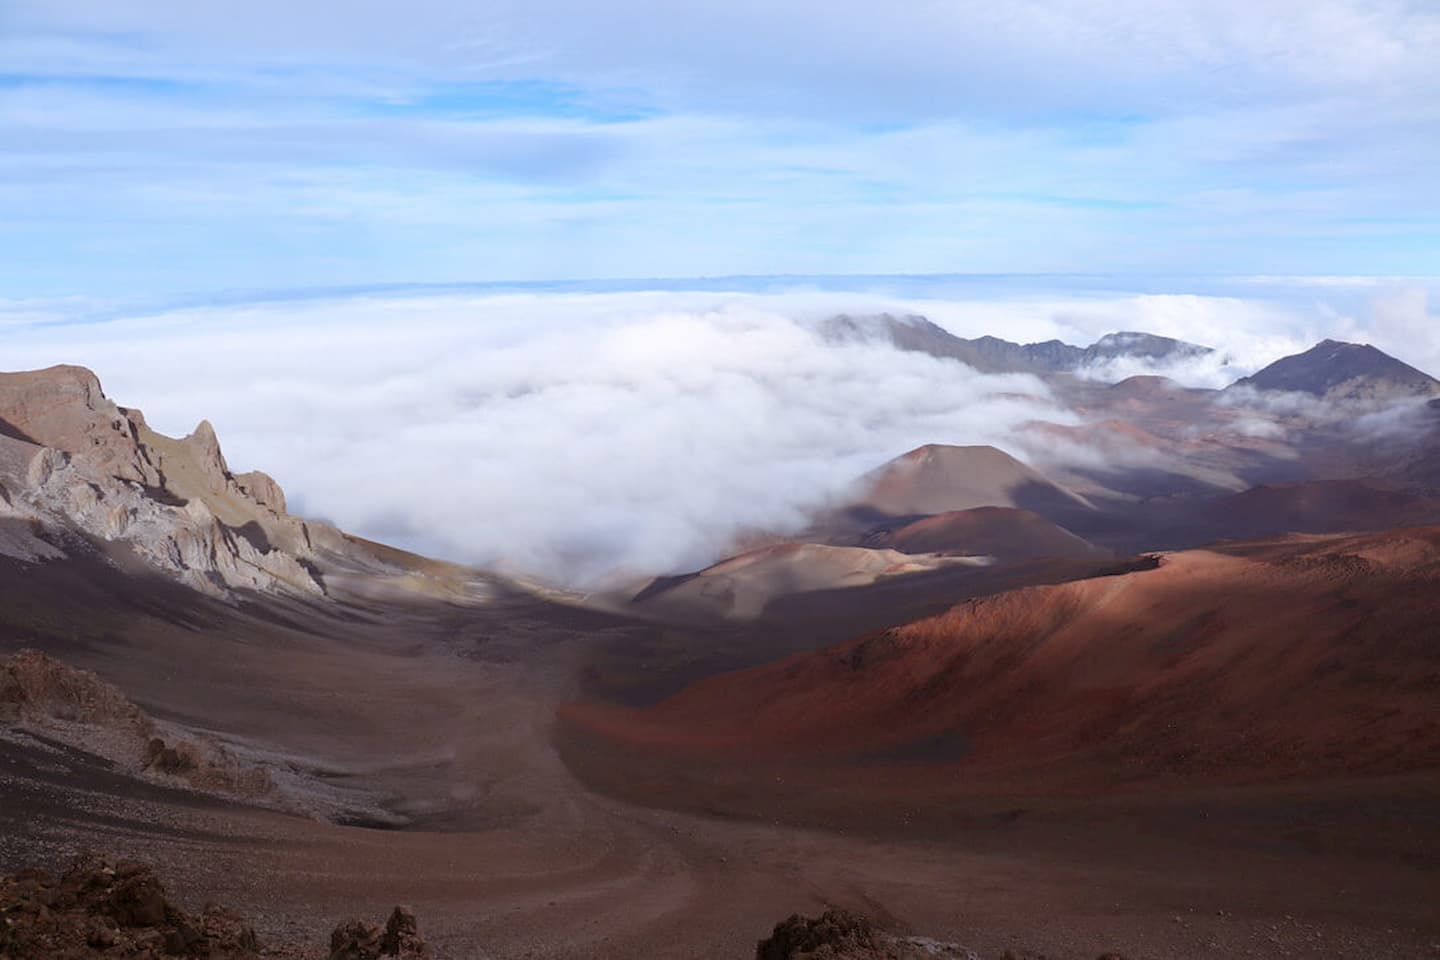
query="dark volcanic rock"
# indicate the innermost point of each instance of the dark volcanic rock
(104, 907)
(136, 899)
(1343, 371)
(402, 935)
(842, 935)
(836, 932)
(355, 939)
(358, 939)
(115, 909)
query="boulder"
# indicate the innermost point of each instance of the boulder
(355, 939)
(842, 935)
(358, 939)
(402, 935)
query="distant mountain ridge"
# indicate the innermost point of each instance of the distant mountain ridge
(1332, 370)
(989, 354)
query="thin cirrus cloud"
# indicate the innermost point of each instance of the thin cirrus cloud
(912, 59)
(156, 146)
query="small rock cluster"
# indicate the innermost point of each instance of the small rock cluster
(102, 907)
(362, 940)
(109, 908)
(842, 935)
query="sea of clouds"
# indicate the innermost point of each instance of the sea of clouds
(579, 436)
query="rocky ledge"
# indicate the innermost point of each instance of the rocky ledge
(76, 467)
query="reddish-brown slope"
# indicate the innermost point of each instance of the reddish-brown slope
(1322, 506)
(1001, 532)
(937, 479)
(1304, 657)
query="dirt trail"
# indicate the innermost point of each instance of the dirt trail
(447, 718)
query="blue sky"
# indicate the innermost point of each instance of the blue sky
(155, 147)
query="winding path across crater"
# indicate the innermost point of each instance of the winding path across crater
(447, 717)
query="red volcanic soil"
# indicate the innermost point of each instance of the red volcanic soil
(1322, 506)
(436, 721)
(1306, 657)
(1002, 532)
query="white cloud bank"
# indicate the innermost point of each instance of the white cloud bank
(567, 436)
(574, 435)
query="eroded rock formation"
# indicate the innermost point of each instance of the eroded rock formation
(74, 462)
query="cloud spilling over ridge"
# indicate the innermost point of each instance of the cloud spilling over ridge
(563, 436)
(575, 435)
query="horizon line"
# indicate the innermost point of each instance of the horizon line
(119, 305)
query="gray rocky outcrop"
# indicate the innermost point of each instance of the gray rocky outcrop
(72, 462)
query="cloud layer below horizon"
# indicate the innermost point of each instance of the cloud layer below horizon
(574, 436)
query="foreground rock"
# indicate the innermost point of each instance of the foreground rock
(103, 907)
(842, 935)
(110, 908)
(362, 940)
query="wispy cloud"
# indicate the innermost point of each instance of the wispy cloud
(152, 146)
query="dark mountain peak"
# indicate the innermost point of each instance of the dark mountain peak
(1337, 370)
